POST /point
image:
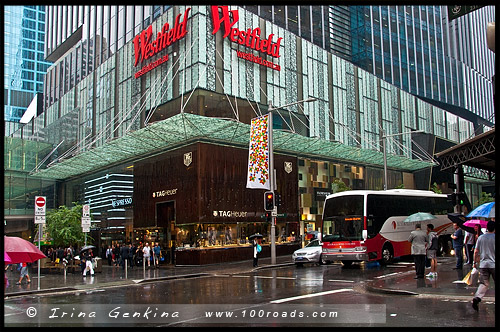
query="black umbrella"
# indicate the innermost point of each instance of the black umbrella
(86, 248)
(460, 220)
(256, 235)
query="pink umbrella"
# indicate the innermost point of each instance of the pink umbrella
(20, 251)
(474, 222)
(6, 258)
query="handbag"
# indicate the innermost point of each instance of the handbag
(467, 278)
(259, 248)
(474, 276)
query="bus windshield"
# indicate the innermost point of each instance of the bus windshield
(343, 219)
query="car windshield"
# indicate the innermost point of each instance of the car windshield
(314, 243)
(343, 218)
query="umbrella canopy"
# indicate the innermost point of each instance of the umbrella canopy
(20, 251)
(419, 216)
(486, 210)
(86, 248)
(474, 222)
(256, 235)
(6, 258)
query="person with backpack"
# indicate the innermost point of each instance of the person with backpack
(432, 250)
(256, 251)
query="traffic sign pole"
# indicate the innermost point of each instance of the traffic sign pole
(40, 202)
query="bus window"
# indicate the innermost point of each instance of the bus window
(343, 218)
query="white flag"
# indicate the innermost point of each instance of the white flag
(258, 154)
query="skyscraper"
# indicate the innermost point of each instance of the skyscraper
(418, 49)
(24, 60)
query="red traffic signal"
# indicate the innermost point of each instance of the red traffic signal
(268, 201)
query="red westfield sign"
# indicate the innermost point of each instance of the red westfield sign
(145, 47)
(249, 38)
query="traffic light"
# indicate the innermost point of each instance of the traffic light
(268, 201)
(460, 198)
(452, 198)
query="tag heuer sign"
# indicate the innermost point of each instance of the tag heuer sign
(188, 158)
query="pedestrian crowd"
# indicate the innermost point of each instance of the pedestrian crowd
(128, 254)
(479, 251)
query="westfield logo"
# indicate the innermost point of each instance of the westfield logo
(249, 38)
(144, 45)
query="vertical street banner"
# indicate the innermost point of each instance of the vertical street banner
(258, 154)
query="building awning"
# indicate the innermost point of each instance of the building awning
(477, 152)
(184, 129)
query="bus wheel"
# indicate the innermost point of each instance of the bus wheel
(387, 254)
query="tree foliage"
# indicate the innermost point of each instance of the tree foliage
(435, 188)
(485, 198)
(339, 186)
(64, 225)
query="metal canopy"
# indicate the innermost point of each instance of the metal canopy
(478, 152)
(183, 129)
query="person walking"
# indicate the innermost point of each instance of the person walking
(484, 259)
(109, 255)
(130, 256)
(124, 251)
(458, 245)
(24, 273)
(255, 246)
(432, 250)
(419, 240)
(469, 247)
(116, 252)
(156, 253)
(147, 254)
(88, 255)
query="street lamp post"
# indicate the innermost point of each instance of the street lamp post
(384, 137)
(273, 174)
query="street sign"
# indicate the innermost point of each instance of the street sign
(86, 210)
(85, 221)
(39, 219)
(40, 203)
(86, 229)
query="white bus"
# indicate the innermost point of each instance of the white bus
(368, 225)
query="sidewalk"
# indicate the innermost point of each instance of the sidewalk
(448, 283)
(399, 282)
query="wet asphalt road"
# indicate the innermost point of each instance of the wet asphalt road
(260, 298)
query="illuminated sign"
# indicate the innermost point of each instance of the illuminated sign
(250, 38)
(145, 47)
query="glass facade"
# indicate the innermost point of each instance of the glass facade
(417, 49)
(95, 104)
(24, 62)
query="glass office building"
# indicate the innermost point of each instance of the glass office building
(415, 48)
(148, 109)
(24, 60)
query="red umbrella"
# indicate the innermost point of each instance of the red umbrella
(474, 222)
(20, 251)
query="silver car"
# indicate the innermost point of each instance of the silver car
(311, 253)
